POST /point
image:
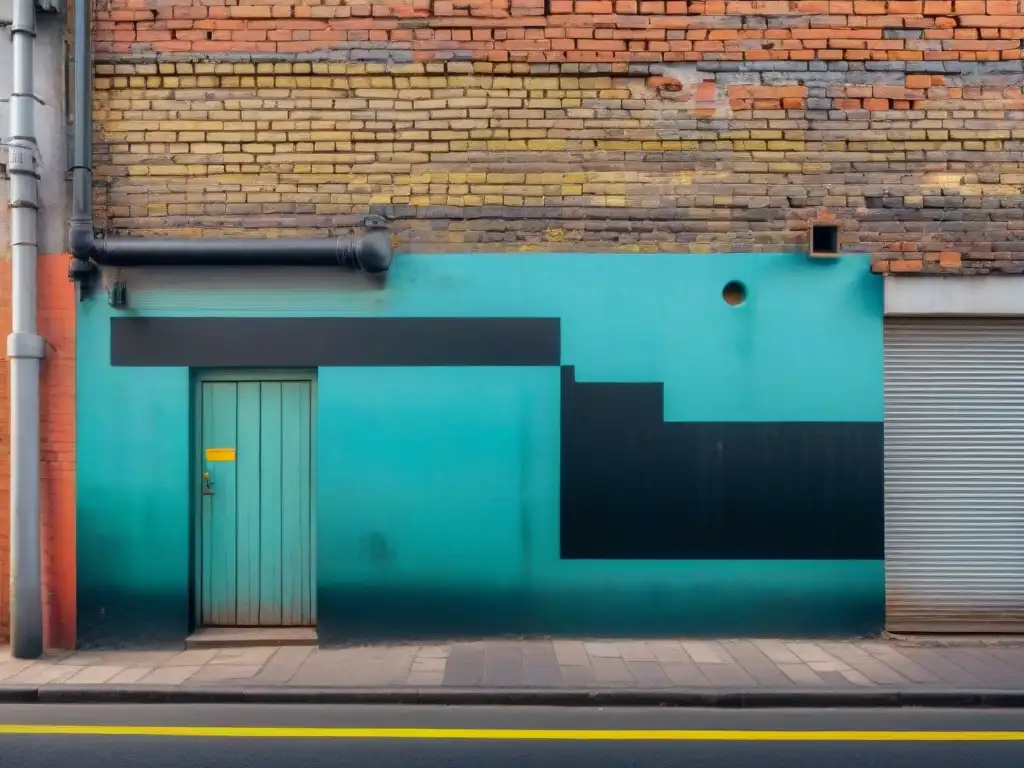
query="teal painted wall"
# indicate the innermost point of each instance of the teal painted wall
(133, 523)
(437, 490)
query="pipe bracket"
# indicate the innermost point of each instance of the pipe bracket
(22, 159)
(30, 345)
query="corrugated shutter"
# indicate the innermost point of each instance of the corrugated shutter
(954, 474)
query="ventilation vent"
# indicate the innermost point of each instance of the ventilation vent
(824, 239)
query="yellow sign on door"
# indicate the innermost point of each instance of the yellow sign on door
(220, 454)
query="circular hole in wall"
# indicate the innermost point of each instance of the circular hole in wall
(734, 293)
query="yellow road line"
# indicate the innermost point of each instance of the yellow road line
(497, 734)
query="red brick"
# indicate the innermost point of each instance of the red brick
(601, 45)
(906, 265)
(249, 12)
(906, 7)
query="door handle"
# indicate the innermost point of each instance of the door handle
(207, 485)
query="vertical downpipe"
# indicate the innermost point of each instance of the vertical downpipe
(24, 345)
(81, 231)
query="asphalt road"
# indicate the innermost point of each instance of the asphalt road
(296, 736)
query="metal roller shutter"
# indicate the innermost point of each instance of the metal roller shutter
(954, 474)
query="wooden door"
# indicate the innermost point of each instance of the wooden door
(256, 524)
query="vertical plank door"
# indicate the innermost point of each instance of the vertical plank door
(256, 516)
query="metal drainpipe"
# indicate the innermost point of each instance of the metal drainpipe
(24, 346)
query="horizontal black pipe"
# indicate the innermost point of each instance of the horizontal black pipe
(370, 252)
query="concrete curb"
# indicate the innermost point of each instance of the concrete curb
(714, 698)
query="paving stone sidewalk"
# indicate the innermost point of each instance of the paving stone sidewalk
(654, 665)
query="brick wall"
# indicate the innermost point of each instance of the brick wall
(56, 307)
(572, 124)
(56, 319)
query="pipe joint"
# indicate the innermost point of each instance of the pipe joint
(23, 18)
(31, 345)
(83, 241)
(372, 252)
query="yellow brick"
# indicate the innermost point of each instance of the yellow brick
(546, 145)
(168, 170)
(506, 178)
(623, 146)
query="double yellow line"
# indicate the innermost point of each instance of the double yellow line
(500, 734)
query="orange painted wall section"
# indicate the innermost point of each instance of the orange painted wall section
(56, 308)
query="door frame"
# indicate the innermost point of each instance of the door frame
(202, 376)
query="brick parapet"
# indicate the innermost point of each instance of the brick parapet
(575, 30)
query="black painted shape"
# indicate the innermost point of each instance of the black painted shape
(637, 487)
(207, 342)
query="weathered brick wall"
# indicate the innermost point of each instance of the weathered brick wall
(57, 304)
(572, 124)
(56, 323)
